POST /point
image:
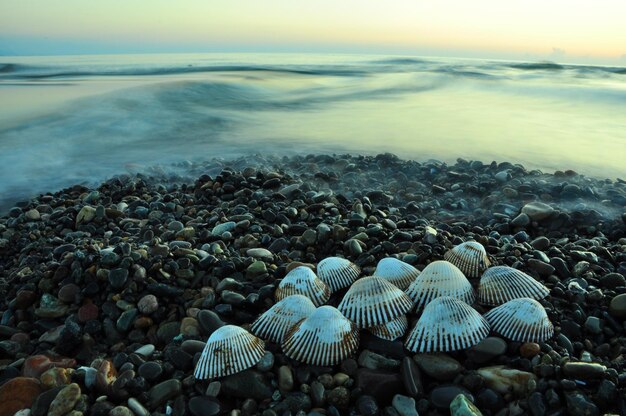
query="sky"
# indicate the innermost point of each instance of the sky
(568, 31)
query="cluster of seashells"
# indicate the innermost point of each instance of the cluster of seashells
(317, 334)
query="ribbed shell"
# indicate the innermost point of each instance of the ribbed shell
(337, 273)
(229, 350)
(470, 257)
(302, 281)
(280, 318)
(447, 324)
(440, 278)
(396, 271)
(392, 330)
(324, 338)
(522, 320)
(373, 301)
(500, 284)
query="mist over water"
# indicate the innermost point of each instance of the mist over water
(68, 120)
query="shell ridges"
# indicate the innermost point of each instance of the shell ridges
(229, 350)
(522, 320)
(373, 301)
(324, 338)
(303, 281)
(447, 324)
(440, 278)
(391, 330)
(500, 284)
(337, 272)
(280, 318)
(396, 271)
(470, 257)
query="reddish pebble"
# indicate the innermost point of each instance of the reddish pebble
(24, 299)
(36, 365)
(87, 312)
(18, 393)
(529, 349)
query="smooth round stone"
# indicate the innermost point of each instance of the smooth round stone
(259, 253)
(189, 327)
(192, 346)
(618, 306)
(137, 407)
(150, 370)
(462, 406)
(145, 350)
(367, 406)
(121, 411)
(148, 304)
(439, 366)
(487, 349)
(404, 405)
(537, 211)
(529, 349)
(285, 378)
(167, 331)
(209, 321)
(118, 278)
(442, 396)
(68, 293)
(204, 406)
(266, 362)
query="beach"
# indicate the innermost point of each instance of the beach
(110, 291)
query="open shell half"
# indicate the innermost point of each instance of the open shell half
(396, 271)
(280, 318)
(229, 350)
(303, 281)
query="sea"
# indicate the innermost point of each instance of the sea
(68, 120)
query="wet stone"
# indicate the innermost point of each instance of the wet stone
(438, 366)
(405, 406)
(462, 406)
(204, 406)
(487, 349)
(374, 361)
(442, 396)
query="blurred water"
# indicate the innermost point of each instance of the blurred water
(67, 120)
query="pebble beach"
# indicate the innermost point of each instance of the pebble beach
(109, 293)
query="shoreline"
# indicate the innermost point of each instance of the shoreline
(80, 266)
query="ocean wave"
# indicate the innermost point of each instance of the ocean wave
(38, 72)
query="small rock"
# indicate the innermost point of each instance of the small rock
(204, 406)
(505, 380)
(584, 371)
(579, 405)
(148, 304)
(18, 393)
(32, 215)
(247, 384)
(462, 406)
(439, 366)
(373, 361)
(442, 396)
(339, 397)
(617, 307)
(285, 378)
(537, 211)
(529, 349)
(65, 400)
(404, 405)
(162, 392)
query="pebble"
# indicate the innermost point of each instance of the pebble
(145, 350)
(367, 406)
(148, 304)
(285, 378)
(617, 307)
(462, 406)
(374, 361)
(137, 407)
(583, 371)
(339, 397)
(404, 405)
(18, 393)
(64, 401)
(163, 392)
(505, 380)
(247, 384)
(537, 211)
(439, 366)
(442, 396)
(579, 405)
(487, 350)
(529, 349)
(204, 406)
